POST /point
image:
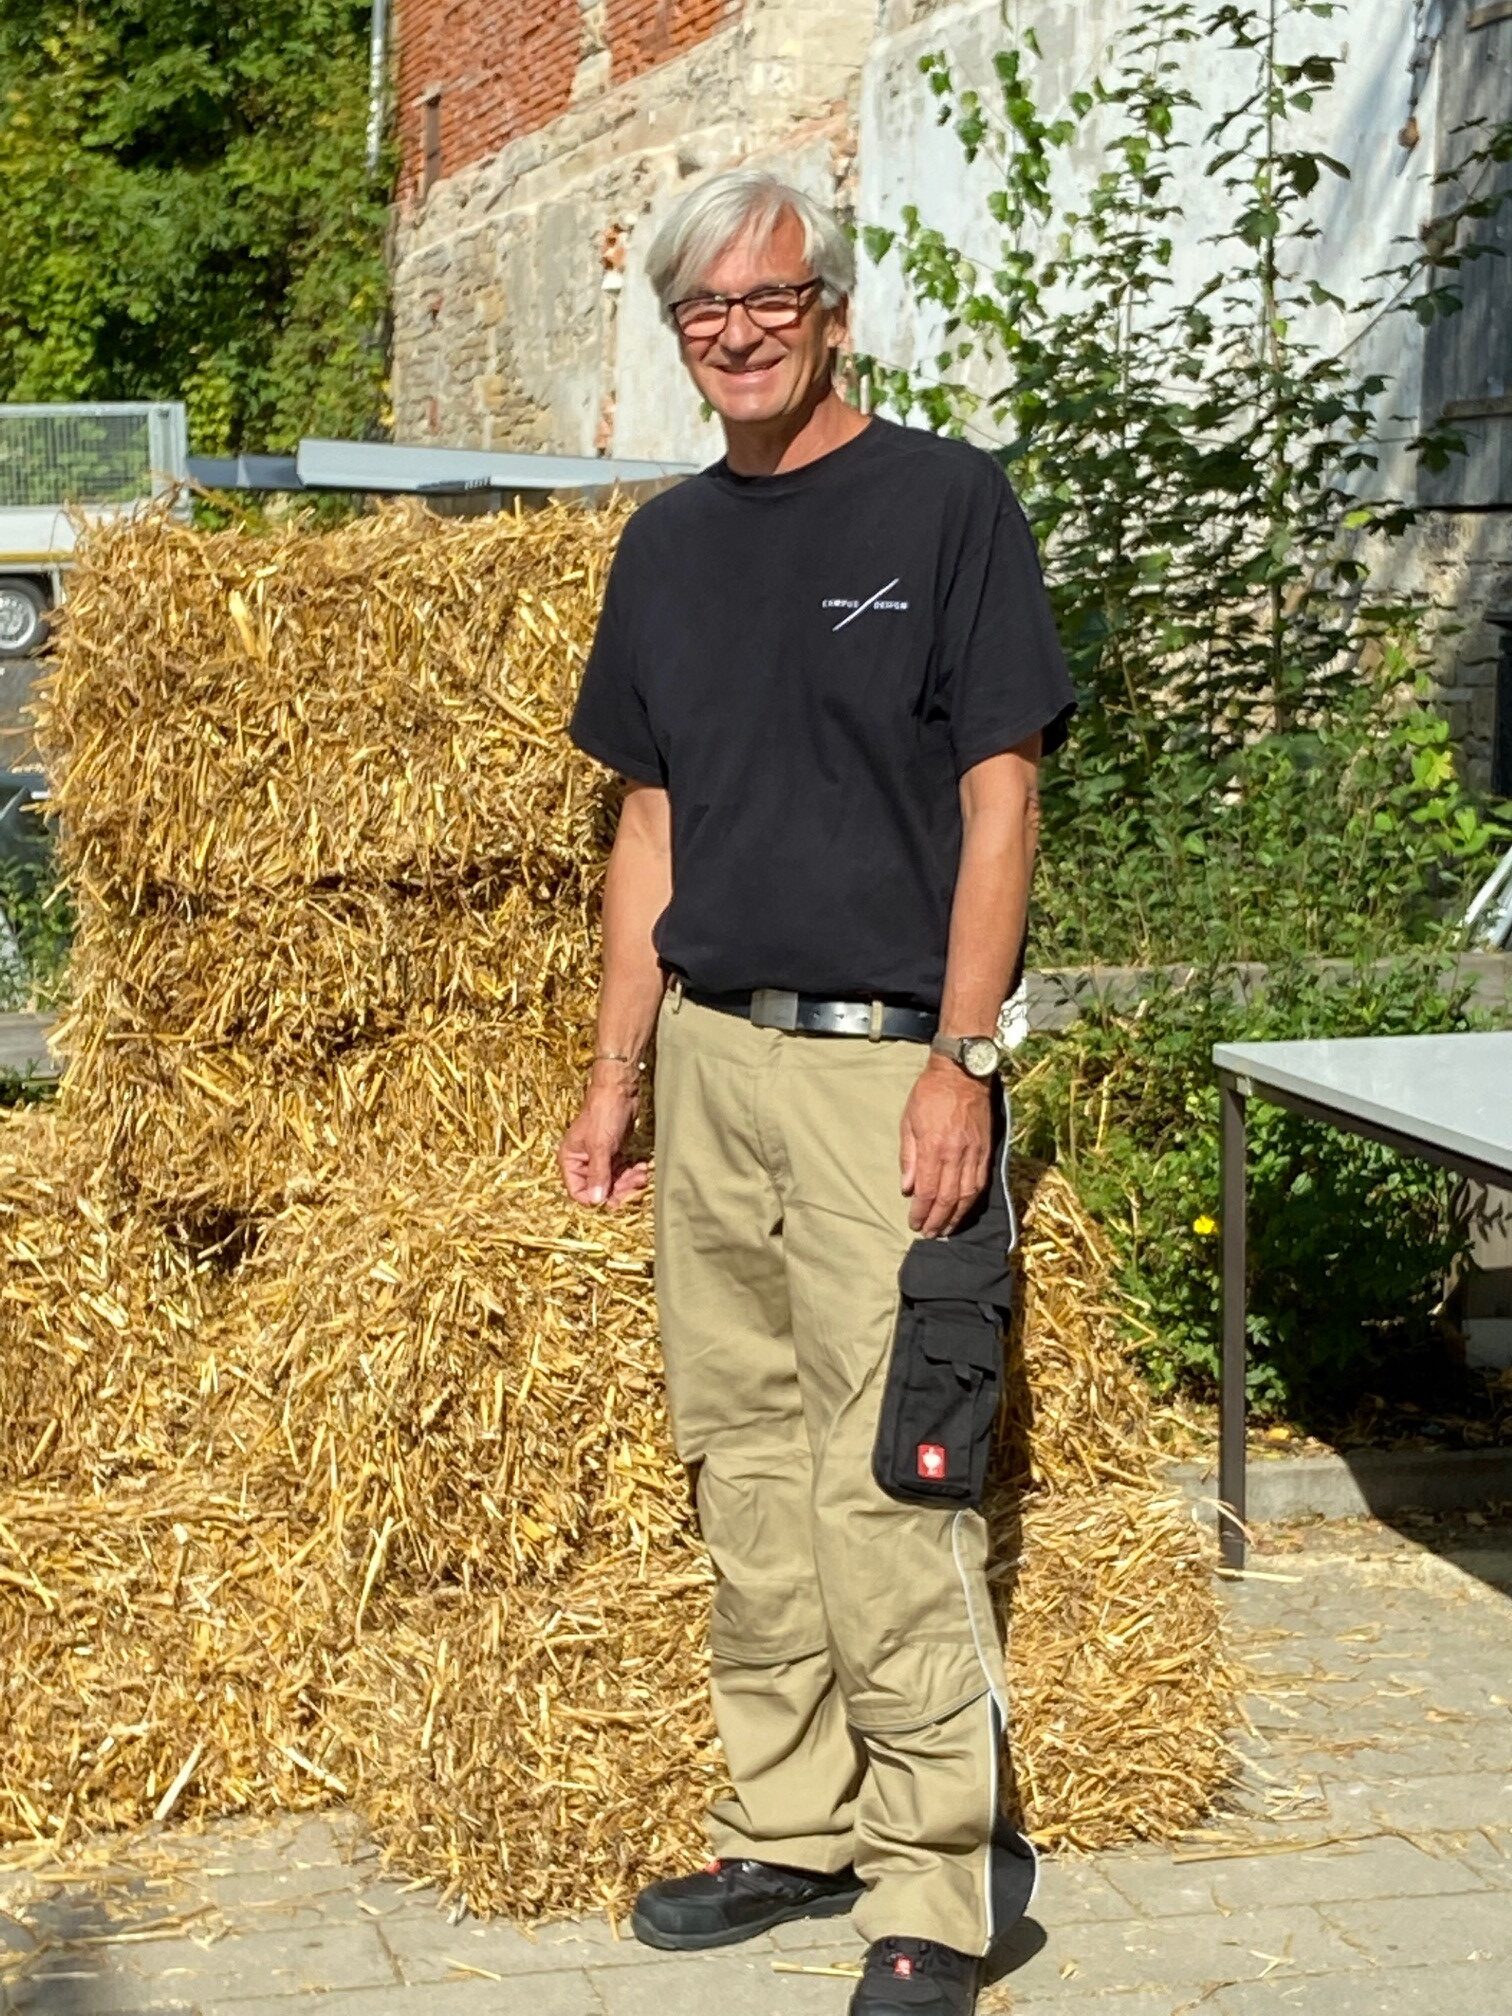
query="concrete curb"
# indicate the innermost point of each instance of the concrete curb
(23, 1045)
(1059, 996)
(1367, 1482)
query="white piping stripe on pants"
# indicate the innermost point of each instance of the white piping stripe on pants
(996, 1707)
(998, 1718)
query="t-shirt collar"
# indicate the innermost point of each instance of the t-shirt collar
(809, 476)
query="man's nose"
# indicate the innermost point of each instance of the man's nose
(740, 332)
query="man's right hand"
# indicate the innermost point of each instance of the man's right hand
(590, 1154)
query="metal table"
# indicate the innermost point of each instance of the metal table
(1447, 1099)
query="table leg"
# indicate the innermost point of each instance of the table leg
(1231, 1380)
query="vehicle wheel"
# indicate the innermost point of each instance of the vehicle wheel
(23, 618)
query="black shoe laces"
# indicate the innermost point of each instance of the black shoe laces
(920, 1953)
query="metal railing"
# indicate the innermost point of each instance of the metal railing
(107, 452)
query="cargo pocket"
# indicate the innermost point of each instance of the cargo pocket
(944, 1374)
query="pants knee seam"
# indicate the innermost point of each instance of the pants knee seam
(726, 1655)
(911, 1723)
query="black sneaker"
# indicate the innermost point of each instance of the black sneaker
(729, 1901)
(917, 1977)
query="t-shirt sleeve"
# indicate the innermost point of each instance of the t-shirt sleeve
(1003, 673)
(610, 721)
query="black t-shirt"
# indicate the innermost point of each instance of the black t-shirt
(808, 662)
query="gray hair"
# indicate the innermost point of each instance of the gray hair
(716, 213)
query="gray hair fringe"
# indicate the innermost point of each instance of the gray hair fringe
(724, 208)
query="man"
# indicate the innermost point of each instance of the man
(826, 668)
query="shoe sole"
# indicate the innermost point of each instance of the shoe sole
(700, 1942)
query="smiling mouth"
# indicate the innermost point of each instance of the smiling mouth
(749, 370)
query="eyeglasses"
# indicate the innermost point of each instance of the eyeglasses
(770, 307)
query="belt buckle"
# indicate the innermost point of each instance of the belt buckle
(774, 1007)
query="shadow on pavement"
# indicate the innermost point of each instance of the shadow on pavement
(1020, 1946)
(54, 1957)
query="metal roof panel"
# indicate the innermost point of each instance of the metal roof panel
(385, 465)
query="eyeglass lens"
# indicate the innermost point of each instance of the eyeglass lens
(768, 308)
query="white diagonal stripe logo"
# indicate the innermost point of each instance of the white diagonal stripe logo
(868, 602)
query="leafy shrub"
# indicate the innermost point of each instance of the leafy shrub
(1348, 838)
(40, 916)
(189, 213)
(1198, 455)
(1254, 775)
(1347, 1241)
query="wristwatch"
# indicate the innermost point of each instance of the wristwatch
(980, 1056)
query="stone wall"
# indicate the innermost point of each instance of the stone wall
(1461, 562)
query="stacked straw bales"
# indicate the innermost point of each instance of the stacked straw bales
(334, 875)
(335, 1463)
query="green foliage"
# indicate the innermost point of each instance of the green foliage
(18, 1091)
(39, 910)
(1347, 1240)
(34, 974)
(188, 214)
(1348, 837)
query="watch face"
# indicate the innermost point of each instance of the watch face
(980, 1056)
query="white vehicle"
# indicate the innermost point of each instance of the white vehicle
(60, 465)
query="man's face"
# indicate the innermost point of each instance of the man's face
(751, 375)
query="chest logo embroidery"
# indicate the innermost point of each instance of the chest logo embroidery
(855, 608)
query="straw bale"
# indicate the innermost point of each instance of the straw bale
(335, 861)
(302, 974)
(465, 1377)
(235, 1130)
(153, 1640)
(539, 1754)
(102, 1312)
(449, 1363)
(379, 703)
(1121, 1686)
(1078, 1415)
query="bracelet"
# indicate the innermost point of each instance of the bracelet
(618, 1057)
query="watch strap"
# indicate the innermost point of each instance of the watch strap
(954, 1047)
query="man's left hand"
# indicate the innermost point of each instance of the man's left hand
(946, 1146)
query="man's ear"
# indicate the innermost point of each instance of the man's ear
(837, 331)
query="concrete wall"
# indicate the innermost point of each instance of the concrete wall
(906, 156)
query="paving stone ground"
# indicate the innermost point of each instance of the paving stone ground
(1365, 1866)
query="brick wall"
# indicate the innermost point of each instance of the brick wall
(503, 68)
(643, 32)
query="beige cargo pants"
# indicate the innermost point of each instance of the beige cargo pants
(857, 1678)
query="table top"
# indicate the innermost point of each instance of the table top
(1453, 1093)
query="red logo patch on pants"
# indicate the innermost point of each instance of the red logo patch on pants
(933, 1462)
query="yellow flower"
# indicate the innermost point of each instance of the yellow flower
(1205, 1226)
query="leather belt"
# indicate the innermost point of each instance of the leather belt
(779, 1008)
